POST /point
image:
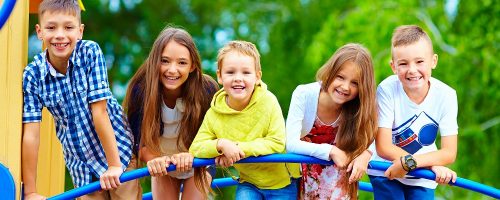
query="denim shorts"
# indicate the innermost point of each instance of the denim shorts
(249, 191)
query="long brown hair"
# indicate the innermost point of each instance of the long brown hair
(358, 121)
(144, 97)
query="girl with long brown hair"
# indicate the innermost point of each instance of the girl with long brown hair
(165, 103)
(335, 119)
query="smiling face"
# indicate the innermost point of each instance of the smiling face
(60, 31)
(238, 77)
(175, 66)
(413, 64)
(344, 86)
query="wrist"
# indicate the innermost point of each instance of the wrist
(409, 162)
(218, 146)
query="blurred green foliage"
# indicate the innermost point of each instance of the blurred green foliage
(296, 37)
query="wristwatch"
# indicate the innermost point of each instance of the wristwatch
(410, 162)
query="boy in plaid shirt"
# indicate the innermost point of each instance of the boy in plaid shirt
(69, 78)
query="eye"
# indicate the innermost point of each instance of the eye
(355, 83)
(183, 63)
(70, 27)
(340, 77)
(247, 72)
(164, 61)
(49, 27)
(402, 64)
(420, 61)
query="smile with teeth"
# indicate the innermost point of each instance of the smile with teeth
(172, 78)
(238, 87)
(414, 78)
(60, 45)
(341, 93)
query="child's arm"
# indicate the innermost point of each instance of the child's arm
(296, 115)
(30, 144)
(273, 140)
(111, 178)
(204, 144)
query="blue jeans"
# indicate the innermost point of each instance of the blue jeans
(383, 189)
(249, 191)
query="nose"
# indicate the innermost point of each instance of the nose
(238, 77)
(412, 68)
(345, 85)
(59, 33)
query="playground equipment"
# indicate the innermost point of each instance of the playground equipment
(293, 158)
(5, 10)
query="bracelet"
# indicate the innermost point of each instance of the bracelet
(402, 165)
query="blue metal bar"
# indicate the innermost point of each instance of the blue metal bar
(7, 7)
(274, 158)
(225, 182)
(428, 174)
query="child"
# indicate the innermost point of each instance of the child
(244, 120)
(412, 106)
(167, 88)
(335, 118)
(70, 79)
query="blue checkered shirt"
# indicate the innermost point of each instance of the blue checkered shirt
(68, 98)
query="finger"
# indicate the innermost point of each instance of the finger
(112, 183)
(349, 167)
(150, 169)
(103, 184)
(454, 177)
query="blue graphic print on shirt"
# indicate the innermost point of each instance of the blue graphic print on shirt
(418, 131)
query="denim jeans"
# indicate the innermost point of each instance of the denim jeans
(249, 191)
(383, 189)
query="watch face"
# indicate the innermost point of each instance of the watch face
(410, 163)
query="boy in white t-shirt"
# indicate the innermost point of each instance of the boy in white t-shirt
(413, 106)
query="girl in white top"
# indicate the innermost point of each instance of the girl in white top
(335, 119)
(165, 103)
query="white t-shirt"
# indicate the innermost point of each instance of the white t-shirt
(171, 118)
(415, 126)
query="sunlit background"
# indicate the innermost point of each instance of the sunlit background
(296, 37)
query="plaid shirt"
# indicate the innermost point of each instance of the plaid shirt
(68, 98)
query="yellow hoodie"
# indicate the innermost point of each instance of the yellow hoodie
(259, 130)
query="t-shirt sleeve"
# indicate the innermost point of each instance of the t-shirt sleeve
(98, 75)
(385, 107)
(32, 106)
(448, 124)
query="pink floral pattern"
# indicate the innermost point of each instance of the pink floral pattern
(322, 181)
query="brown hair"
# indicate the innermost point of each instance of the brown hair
(66, 6)
(243, 47)
(409, 34)
(144, 96)
(358, 121)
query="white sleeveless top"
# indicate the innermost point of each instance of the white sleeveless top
(171, 118)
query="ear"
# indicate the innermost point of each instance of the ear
(434, 61)
(259, 77)
(38, 30)
(82, 26)
(192, 68)
(393, 67)
(219, 77)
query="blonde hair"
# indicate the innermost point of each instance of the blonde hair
(65, 6)
(358, 121)
(243, 47)
(409, 34)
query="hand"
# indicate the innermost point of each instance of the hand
(34, 196)
(395, 170)
(358, 166)
(230, 150)
(158, 166)
(444, 174)
(110, 179)
(223, 161)
(182, 161)
(338, 156)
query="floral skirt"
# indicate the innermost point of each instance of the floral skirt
(322, 182)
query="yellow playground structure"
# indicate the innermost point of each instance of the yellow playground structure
(13, 58)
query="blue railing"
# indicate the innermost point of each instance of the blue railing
(7, 7)
(291, 158)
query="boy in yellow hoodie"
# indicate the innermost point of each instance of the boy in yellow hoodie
(244, 120)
